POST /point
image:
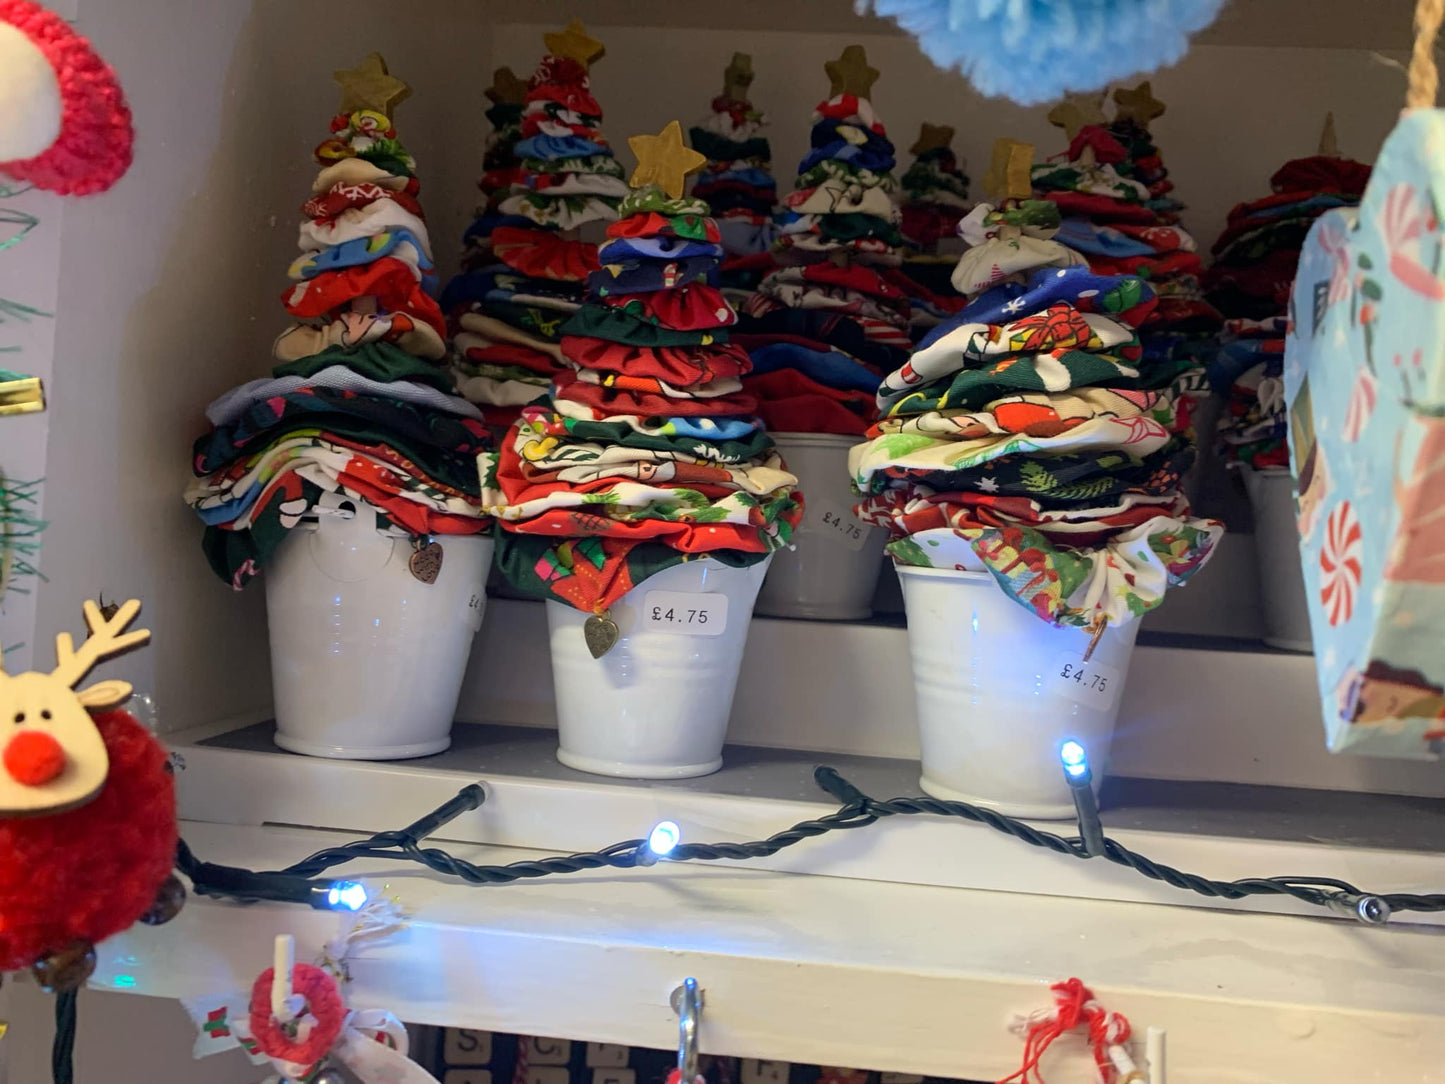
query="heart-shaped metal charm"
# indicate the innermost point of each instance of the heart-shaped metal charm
(426, 562)
(601, 633)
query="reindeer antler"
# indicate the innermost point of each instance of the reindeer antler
(106, 639)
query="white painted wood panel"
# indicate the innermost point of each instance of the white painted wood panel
(813, 969)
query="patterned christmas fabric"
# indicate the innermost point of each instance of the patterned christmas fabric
(359, 406)
(935, 189)
(1250, 282)
(525, 264)
(1118, 211)
(737, 182)
(649, 452)
(824, 327)
(1032, 437)
(1365, 387)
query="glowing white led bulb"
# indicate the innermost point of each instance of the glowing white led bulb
(346, 896)
(664, 839)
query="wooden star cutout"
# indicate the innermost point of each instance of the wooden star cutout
(664, 160)
(575, 44)
(507, 88)
(850, 73)
(738, 77)
(1138, 104)
(1329, 142)
(1078, 111)
(932, 137)
(370, 86)
(1009, 174)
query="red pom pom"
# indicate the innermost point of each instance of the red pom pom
(88, 873)
(95, 145)
(34, 758)
(323, 1001)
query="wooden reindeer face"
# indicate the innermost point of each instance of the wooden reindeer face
(52, 757)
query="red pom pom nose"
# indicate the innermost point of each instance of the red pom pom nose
(33, 758)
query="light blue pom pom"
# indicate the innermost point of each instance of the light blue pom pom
(1034, 51)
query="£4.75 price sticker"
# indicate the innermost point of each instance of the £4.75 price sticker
(685, 613)
(836, 522)
(1094, 684)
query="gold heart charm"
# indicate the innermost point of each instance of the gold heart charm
(426, 562)
(601, 633)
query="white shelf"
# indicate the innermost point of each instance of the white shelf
(823, 970)
(534, 802)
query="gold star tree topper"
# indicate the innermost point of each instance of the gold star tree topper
(1078, 111)
(850, 73)
(1138, 104)
(932, 137)
(507, 88)
(664, 160)
(1329, 142)
(738, 78)
(576, 44)
(370, 86)
(1010, 173)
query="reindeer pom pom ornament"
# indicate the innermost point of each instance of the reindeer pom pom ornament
(87, 810)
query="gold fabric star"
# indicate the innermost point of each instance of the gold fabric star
(575, 44)
(1138, 104)
(506, 87)
(1009, 174)
(664, 160)
(932, 137)
(738, 77)
(850, 73)
(1078, 111)
(370, 86)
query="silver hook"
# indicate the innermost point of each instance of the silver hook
(687, 1002)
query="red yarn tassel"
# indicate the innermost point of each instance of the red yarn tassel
(1074, 1007)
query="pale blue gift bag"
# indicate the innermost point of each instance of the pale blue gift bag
(1365, 382)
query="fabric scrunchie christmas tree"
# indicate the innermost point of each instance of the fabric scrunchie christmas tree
(1030, 436)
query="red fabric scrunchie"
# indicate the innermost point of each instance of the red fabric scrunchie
(323, 1002)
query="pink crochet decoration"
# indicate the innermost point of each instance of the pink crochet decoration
(96, 137)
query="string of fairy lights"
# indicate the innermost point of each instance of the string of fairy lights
(306, 881)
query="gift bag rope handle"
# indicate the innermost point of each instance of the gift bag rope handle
(1423, 76)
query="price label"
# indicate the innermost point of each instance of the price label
(474, 610)
(836, 522)
(1094, 684)
(685, 613)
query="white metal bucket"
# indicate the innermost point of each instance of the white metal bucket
(1283, 603)
(832, 570)
(366, 659)
(999, 691)
(656, 706)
